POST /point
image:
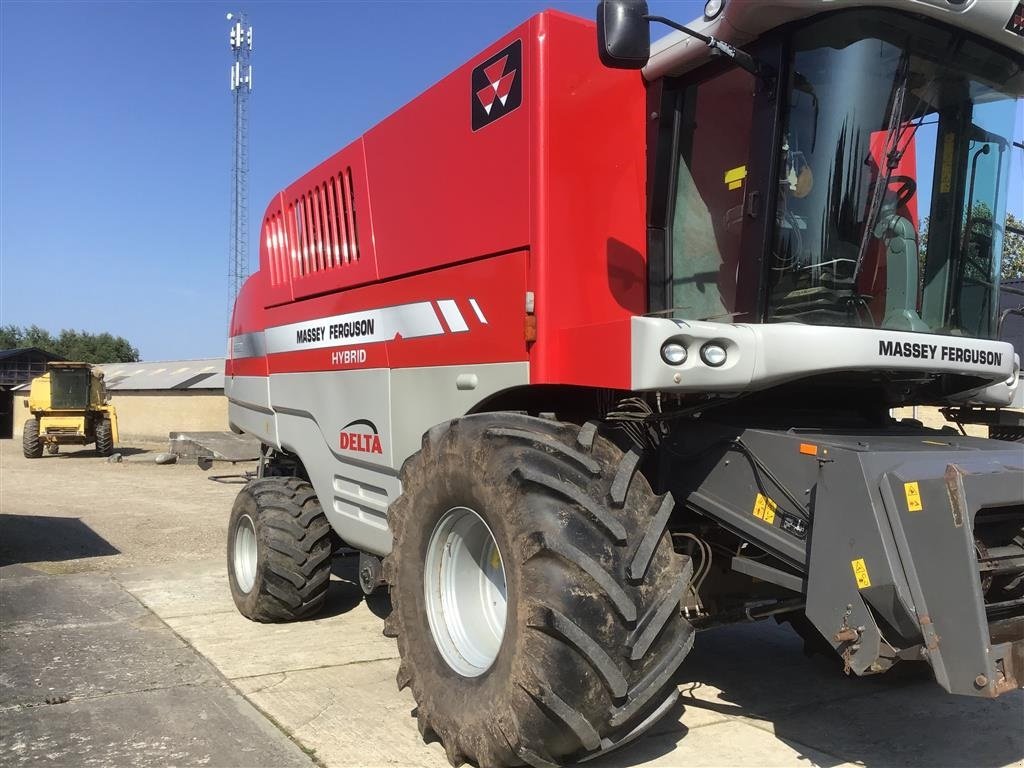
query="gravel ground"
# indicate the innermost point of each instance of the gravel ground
(77, 512)
(116, 621)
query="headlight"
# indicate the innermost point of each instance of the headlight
(673, 353)
(712, 8)
(713, 354)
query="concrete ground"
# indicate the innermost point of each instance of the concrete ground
(119, 645)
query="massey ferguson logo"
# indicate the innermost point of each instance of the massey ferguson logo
(354, 437)
(498, 86)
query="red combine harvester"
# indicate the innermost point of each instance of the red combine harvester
(582, 359)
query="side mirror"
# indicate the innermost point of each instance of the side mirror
(623, 34)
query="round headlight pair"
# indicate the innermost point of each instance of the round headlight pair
(674, 353)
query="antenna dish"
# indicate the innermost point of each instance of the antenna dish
(230, 16)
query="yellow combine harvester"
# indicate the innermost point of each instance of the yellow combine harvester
(69, 407)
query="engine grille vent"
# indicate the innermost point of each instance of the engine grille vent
(316, 232)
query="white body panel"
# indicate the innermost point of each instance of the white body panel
(762, 356)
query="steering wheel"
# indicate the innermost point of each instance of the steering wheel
(906, 189)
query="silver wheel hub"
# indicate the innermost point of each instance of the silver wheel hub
(245, 554)
(465, 592)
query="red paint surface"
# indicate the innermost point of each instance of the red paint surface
(497, 283)
(557, 185)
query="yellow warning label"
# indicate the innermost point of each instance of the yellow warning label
(860, 573)
(764, 508)
(913, 497)
(495, 559)
(946, 174)
(735, 176)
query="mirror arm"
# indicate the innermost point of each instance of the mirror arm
(743, 59)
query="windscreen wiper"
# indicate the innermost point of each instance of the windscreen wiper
(893, 155)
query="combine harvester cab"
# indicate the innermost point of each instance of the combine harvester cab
(582, 359)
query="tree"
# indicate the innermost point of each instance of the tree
(10, 337)
(1012, 267)
(1013, 248)
(81, 346)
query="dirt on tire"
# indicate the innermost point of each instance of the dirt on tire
(104, 438)
(294, 550)
(31, 444)
(593, 632)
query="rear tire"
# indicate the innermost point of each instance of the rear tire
(591, 633)
(31, 445)
(104, 438)
(53, 448)
(279, 550)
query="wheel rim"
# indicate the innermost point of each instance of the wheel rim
(245, 554)
(465, 590)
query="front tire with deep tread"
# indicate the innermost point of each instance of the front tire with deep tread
(593, 632)
(31, 445)
(104, 438)
(293, 546)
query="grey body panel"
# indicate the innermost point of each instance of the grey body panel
(741, 22)
(356, 477)
(762, 356)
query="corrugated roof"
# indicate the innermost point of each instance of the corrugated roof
(207, 373)
(35, 352)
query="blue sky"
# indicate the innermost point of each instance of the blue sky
(115, 131)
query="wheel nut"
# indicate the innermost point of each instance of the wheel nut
(981, 681)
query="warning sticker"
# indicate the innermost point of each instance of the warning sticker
(734, 177)
(764, 508)
(913, 494)
(860, 573)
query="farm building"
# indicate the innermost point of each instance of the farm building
(17, 368)
(154, 399)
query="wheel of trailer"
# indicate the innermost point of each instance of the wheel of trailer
(53, 448)
(535, 592)
(104, 437)
(279, 550)
(1009, 433)
(31, 445)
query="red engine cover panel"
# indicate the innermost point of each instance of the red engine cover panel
(532, 148)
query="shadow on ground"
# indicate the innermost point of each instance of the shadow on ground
(83, 452)
(34, 539)
(344, 594)
(760, 673)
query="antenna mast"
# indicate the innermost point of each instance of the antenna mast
(241, 87)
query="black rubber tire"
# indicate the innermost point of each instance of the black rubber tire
(53, 448)
(1010, 434)
(104, 438)
(593, 634)
(31, 445)
(294, 549)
